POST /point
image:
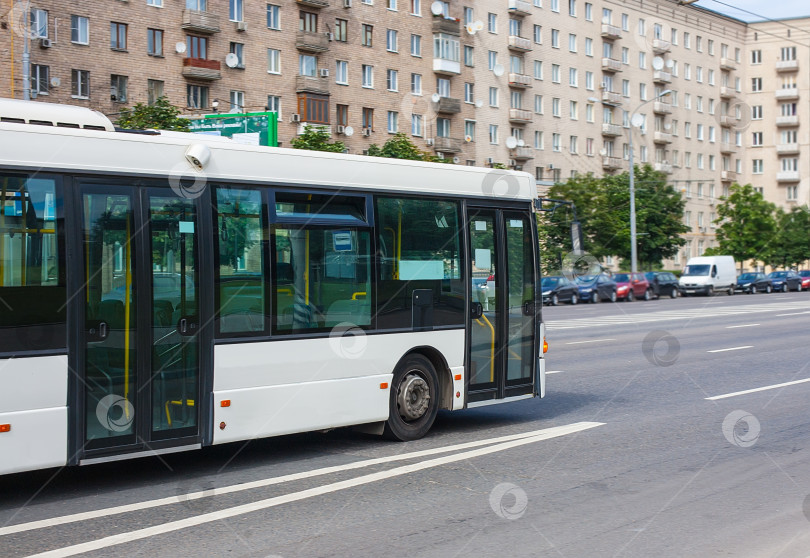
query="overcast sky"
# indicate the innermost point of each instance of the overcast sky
(774, 9)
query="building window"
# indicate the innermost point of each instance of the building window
(154, 90)
(197, 96)
(237, 99)
(366, 35)
(307, 65)
(391, 40)
(416, 84)
(758, 166)
(393, 122)
(469, 59)
(196, 47)
(273, 61)
(79, 30)
(416, 7)
(492, 23)
(756, 84)
(416, 45)
(118, 88)
(538, 36)
(342, 72)
(493, 96)
(80, 83)
(469, 130)
(341, 30)
(118, 36)
(446, 47)
(555, 38)
(493, 133)
(236, 11)
(308, 21)
(239, 50)
(39, 24)
(313, 108)
(342, 115)
(538, 69)
(274, 17)
(416, 124)
(367, 76)
(391, 80)
(443, 127)
(40, 79)
(468, 93)
(154, 42)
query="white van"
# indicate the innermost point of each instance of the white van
(708, 275)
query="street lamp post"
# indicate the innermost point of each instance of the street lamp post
(633, 247)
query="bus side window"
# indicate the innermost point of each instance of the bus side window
(32, 271)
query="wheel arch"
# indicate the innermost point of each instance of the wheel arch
(443, 372)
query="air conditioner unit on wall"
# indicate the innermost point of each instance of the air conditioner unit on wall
(241, 26)
(45, 43)
(330, 36)
(347, 3)
(324, 72)
(295, 117)
(429, 141)
(341, 129)
(366, 132)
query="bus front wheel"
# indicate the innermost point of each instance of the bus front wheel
(414, 399)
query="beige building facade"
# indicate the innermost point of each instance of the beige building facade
(546, 86)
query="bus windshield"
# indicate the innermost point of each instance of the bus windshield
(693, 270)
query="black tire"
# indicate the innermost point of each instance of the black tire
(753, 289)
(574, 299)
(768, 289)
(673, 293)
(613, 296)
(784, 287)
(415, 374)
(630, 296)
(595, 297)
(555, 300)
(648, 294)
(710, 291)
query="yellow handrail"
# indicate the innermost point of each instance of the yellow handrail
(492, 350)
(360, 293)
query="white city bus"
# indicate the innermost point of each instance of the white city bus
(161, 292)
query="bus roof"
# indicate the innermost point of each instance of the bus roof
(54, 148)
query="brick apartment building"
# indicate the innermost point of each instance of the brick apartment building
(561, 77)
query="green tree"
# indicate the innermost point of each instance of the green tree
(746, 224)
(316, 138)
(790, 245)
(399, 146)
(159, 116)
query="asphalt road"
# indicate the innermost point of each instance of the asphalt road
(631, 453)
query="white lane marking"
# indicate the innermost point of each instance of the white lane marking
(743, 325)
(793, 314)
(123, 538)
(148, 504)
(747, 391)
(731, 349)
(591, 341)
(554, 371)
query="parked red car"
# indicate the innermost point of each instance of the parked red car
(630, 286)
(805, 275)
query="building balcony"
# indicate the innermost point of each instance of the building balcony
(662, 137)
(792, 120)
(520, 116)
(727, 147)
(201, 68)
(661, 46)
(660, 76)
(611, 32)
(787, 65)
(611, 65)
(307, 41)
(660, 107)
(444, 25)
(663, 167)
(519, 7)
(200, 22)
(728, 176)
(448, 105)
(787, 148)
(611, 98)
(788, 176)
(446, 67)
(310, 84)
(448, 145)
(727, 92)
(520, 80)
(519, 44)
(611, 163)
(728, 64)
(313, 3)
(727, 120)
(523, 153)
(787, 94)
(611, 130)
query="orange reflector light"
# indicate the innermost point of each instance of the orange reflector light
(225, 403)
(545, 345)
(5, 427)
(384, 385)
(458, 376)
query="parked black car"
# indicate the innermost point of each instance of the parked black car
(596, 288)
(754, 282)
(785, 281)
(663, 283)
(558, 289)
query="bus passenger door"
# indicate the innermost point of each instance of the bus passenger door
(501, 346)
(139, 380)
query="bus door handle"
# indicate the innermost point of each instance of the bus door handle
(97, 331)
(476, 310)
(528, 308)
(187, 326)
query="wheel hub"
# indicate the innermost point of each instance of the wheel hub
(413, 398)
